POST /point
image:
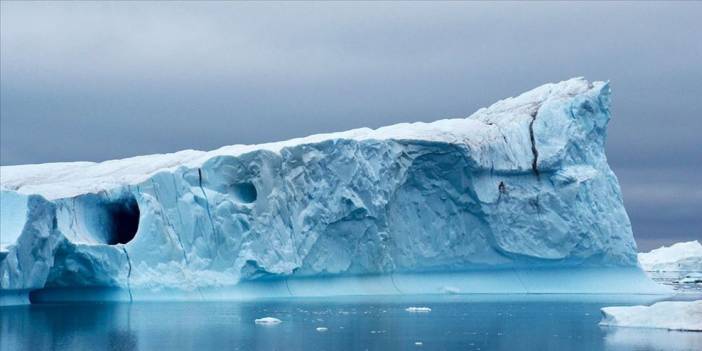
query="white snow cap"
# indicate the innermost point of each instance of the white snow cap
(671, 315)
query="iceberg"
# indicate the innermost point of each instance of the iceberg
(671, 315)
(516, 198)
(679, 257)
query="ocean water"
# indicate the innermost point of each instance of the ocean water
(475, 322)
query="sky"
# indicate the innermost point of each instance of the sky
(96, 81)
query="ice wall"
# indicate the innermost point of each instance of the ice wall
(522, 185)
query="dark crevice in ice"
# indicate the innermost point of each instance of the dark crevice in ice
(165, 218)
(394, 285)
(287, 286)
(207, 206)
(129, 274)
(534, 151)
(501, 190)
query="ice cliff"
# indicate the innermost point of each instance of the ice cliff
(518, 197)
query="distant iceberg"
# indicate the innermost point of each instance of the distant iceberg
(516, 198)
(680, 257)
(671, 315)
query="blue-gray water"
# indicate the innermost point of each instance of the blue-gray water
(454, 323)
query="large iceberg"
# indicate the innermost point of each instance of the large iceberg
(518, 197)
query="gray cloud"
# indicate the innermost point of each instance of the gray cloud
(94, 81)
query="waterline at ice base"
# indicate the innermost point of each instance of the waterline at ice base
(517, 198)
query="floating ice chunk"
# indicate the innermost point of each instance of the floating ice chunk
(267, 321)
(322, 329)
(418, 309)
(671, 315)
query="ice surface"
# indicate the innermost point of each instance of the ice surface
(671, 315)
(501, 201)
(679, 257)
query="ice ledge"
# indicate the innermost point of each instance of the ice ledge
(591, 281)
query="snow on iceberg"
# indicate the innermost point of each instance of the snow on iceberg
(516, 198)
(680, 257)
(671, 315)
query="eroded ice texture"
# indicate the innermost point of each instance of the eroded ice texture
(671, 315)
(508, 193)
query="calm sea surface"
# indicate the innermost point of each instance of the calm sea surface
(543, 322)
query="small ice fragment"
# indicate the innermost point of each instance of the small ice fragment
(321, 329)
(418, 343)
(267, 321)
(418, 309)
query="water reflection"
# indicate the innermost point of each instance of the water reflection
(103, 326)
(459, 323)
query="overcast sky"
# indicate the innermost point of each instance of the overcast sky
(96, 81)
